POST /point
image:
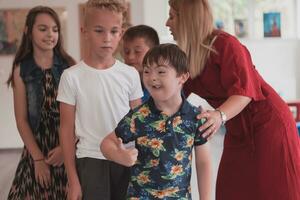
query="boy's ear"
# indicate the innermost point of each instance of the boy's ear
(184, 77)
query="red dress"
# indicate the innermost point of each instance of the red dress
(261, 156)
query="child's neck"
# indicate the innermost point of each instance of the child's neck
(171, 106)
(99, 63)
(43, 59)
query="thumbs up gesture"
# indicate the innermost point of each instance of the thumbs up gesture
(128, 156)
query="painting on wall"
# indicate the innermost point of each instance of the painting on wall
(126, 24)
(272, 24)
(240, 28)
(12, 25)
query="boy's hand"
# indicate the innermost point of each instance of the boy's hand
(55, 157)
(128, 156)
(74, 191)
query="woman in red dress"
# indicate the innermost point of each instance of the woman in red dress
(261, 156)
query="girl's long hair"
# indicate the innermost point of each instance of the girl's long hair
(26, 49)
(194, 31)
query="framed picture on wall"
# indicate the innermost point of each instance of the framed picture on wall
(241, 28)
(12, 25)
(272, 24)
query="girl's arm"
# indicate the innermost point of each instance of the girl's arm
(135, 103)
(67, 142)
(231, 107)
(42, 172)
(20, 107)
(204, 171)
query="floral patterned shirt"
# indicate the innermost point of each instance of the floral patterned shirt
(164, 143)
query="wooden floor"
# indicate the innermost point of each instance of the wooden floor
(9, 159)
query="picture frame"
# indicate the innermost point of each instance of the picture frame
(12, 23)
(241, 28)
(272, 24)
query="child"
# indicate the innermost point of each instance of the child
(165, 131)
(95, 94)
(137, 40)
(37, 67)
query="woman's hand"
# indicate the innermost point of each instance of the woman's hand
(42, 173)
(212, 124)
(55, 157)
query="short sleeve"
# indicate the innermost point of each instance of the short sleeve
(66, 90)
(136, 89)
(238, 74)
(199, 140)
(126, 128)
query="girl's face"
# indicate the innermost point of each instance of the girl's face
(172, 22)
(44, 33)
(163, 82)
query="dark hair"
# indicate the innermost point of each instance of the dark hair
(26, 49)
(170, 54)
(148, 33)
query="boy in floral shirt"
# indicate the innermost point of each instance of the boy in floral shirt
(165, 130)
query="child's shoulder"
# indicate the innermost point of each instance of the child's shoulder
(74, 68)
(126, 71)
(124, 67)
(191, 110)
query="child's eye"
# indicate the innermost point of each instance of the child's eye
(161, 72)
(98, 30)
(55, 29)
(114, 31)
(42, 29)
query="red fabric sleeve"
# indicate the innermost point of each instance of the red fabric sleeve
(238, 75)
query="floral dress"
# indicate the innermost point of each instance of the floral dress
(24, 184)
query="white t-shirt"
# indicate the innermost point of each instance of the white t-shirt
(101, 98)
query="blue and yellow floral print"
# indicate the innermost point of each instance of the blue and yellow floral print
(164, 143)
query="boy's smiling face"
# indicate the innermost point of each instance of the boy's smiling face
(134, 51)
(162, 81)
(102, 31)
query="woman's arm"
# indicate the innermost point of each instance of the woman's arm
(231, 107)
(204, 171)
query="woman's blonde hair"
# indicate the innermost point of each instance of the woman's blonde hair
(194, 31)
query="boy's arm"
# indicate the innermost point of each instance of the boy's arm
(204, 171)
(135, 103)
(114, 150)
(67, 141)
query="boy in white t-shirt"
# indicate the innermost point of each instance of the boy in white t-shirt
(94, 95)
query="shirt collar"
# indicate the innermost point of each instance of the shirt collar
(184, 108)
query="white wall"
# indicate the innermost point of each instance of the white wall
(276, 59)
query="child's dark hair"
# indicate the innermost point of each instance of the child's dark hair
(167, 53)
(26, 49)
(148, 33)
